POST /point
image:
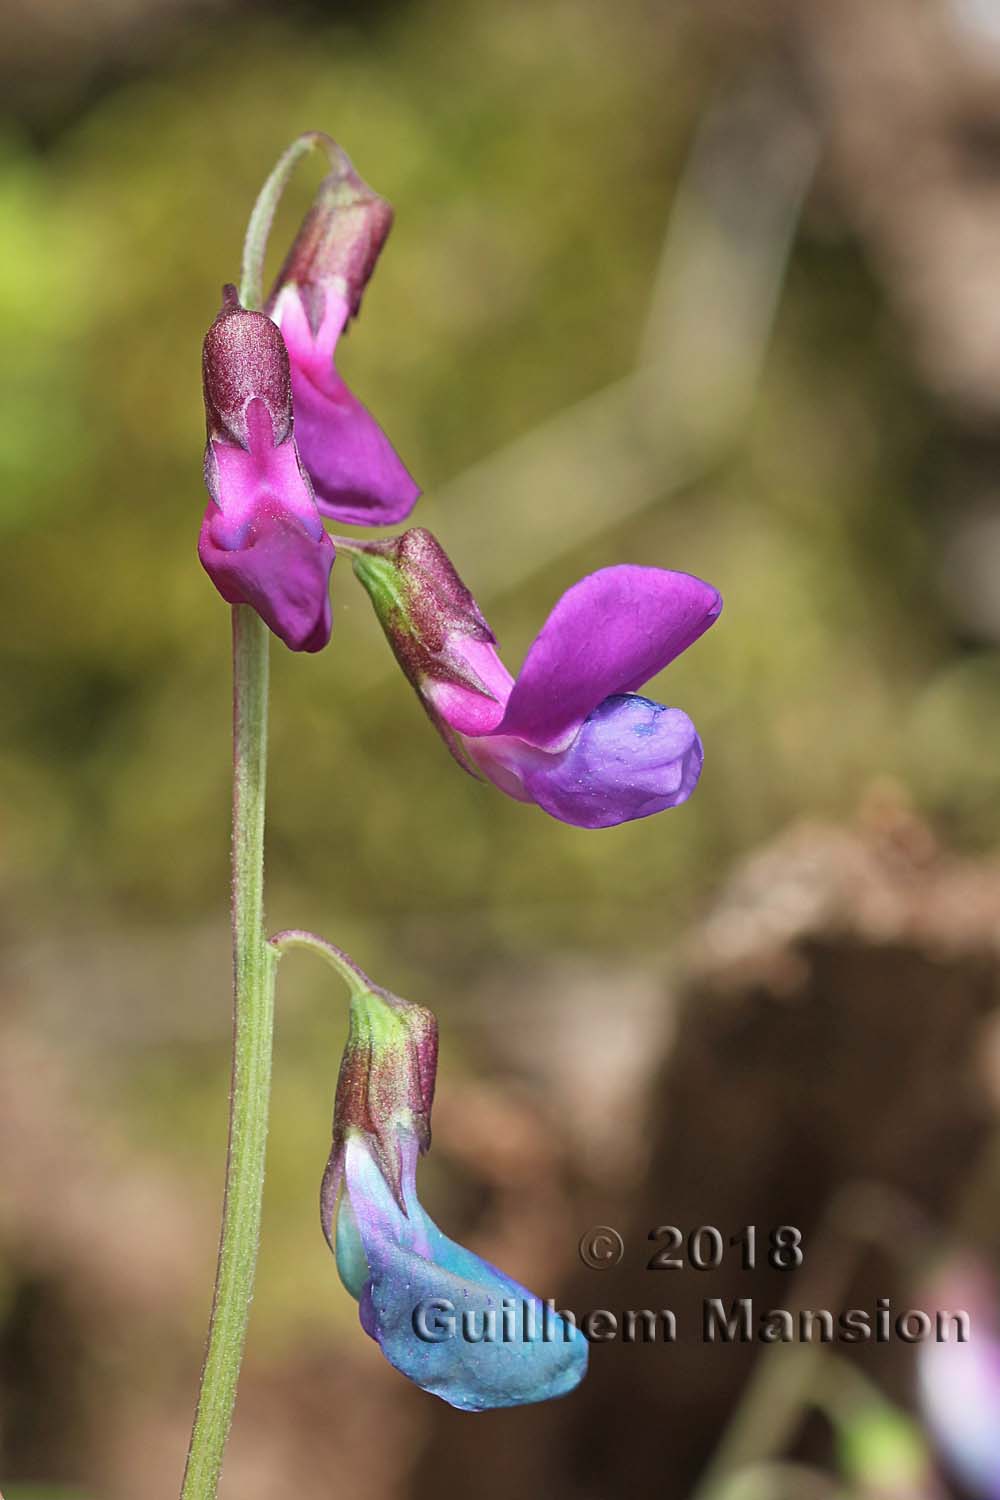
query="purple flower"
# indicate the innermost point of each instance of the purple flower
(262, 540)
(445, 1318)
(357, 474)
(959, 1382)
(570, 733)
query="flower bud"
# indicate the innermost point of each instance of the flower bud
(244, 359)
(385, 1088)
(338, 243)
(436, 630)
(357, 475)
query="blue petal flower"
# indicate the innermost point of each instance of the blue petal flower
(446, 1319)
(631, 758)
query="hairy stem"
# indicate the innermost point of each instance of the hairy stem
(266, 206)
(354, 977)
(254, 963)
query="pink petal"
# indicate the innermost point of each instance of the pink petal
(463, 708)
(358, 476)
(278, 567)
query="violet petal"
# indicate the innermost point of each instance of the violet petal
(608, 634)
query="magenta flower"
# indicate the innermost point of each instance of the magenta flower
(357, 474)
(571, 733)
(262, 540)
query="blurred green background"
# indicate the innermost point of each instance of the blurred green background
(668, 284)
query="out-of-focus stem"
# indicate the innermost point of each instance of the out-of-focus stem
(254, 963)
(784, 1481)
(784, 1379)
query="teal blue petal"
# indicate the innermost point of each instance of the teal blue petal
(351, 1262)
(447, 1319)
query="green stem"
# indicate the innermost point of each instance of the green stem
(266, 206)
(354, 977)
(254, 964)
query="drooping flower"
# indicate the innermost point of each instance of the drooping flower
(445, 1318)
(959, 1379)
(571, 733)
(357, 474)
(262, 540)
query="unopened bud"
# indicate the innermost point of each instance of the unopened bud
(435, 628)
(338, 244)
(244, 359)
(385, 1087)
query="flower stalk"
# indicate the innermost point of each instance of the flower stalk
(254, 963)
(266, 206)
(355, 978)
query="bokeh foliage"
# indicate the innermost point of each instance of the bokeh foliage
(530, 158)
(531, 152)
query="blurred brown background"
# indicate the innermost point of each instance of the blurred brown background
(699, 284)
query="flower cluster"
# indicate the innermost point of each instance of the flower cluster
(289, 446)
(288, 443)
